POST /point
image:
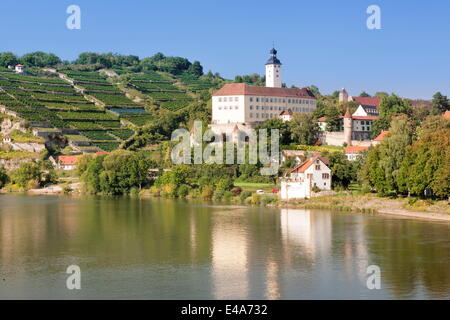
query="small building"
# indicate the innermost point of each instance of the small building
(353, 152)
(286, 115)
(67, 163)
(7, 139)
(20, 68)
(305, 177)
(380, 137)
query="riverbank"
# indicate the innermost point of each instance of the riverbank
(371, 203)
(353, 202)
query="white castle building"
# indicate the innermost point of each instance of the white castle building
(243, 105)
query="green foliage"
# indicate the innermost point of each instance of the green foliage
(8, 59)
(3, 177)
(440, 103)
(38, 173)
(40, 59)
(304, 129)
(116, 173)
(343, 171)
(427, 161)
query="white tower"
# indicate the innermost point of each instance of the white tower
(273, 70)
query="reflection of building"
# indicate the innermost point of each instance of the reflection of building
(229, 260)
(311, 231)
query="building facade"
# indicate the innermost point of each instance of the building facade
(240, 103)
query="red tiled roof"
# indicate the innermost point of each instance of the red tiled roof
(368, 101)
(286, 113)
(365, 117)
(19, 65)
(322, 119)
(347, 114)
(238, 89)
(355, 149)
(101, 153)
(447, 114)
(381, 136)
(305, 165)
(68, 160)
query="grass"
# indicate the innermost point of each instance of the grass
(18, 155)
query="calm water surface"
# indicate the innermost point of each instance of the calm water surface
(165, 249)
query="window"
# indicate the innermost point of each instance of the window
(309, 176)
(289, 100)
(251, 99)
(220, 108)
(271, 100)
(220, 99)
(236, 99)
(251, 107)
(257, 99)
(317, 166)
(251, 115)
(257, 115)
(236, 107)
(325, 176)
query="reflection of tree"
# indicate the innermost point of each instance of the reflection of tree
(410, 253)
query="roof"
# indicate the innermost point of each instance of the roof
(19, 65)
(355, 149)
(68, 160)
(381, 135)
(347, 114)
(273, 59)
(447, 114)
(286, 113)
(322, 119)
(101, 153)
(368, 101)
(365, 117)
(239, 89)
(306, 164)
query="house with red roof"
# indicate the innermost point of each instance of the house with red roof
(67, 163)
(380, 137)
(306, 177)
(19, 68)
(353, 152)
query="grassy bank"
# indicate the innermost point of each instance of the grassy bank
(371, 203)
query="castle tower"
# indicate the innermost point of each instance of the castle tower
(348, 128)
(273, 70)
(343, 96)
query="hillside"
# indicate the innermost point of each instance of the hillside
(96, 110)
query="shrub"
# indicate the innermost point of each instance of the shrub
(236, 191)
(183, 191)
(207, 192)
(244, 195)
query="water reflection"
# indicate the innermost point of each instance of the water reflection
(154, 248)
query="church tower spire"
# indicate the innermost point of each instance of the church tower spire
(273, 70)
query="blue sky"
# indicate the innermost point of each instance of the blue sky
(321, 42)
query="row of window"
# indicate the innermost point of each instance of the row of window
(294, 109)
(230, 99)
(280, 100)
(263, 115)
(230, 108)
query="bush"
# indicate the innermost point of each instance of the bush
(183, 191)
(207, 192)
(244, 195)
(3, 177)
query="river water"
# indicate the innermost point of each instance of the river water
(130, 248)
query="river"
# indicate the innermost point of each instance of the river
(131, 248)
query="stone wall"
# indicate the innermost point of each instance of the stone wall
(9, 125)
(11, 164)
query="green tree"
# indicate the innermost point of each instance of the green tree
(3, 177)
(40, 59)
(343, 171)
(427, 160)
(364, 94)
(440, 103)
(304, 129)
(196, 69)
(26, 172)
(8, 59)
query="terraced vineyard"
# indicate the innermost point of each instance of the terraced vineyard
(53, 102)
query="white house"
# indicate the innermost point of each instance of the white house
(20, 68)
(303, 178)
(286, 115)
(7, 139)
(353, 152)
(240, 103)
